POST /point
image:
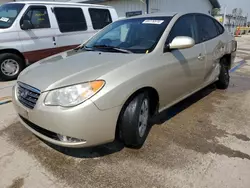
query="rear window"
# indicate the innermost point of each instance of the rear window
(70, 19)
(100, 17)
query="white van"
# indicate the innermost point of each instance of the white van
(30, 31)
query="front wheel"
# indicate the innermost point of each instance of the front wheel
(224, 77)
(134, 121)
(10, 66)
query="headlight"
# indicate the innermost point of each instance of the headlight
(73, 95)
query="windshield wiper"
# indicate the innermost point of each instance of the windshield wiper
(112, 48)
(83, 48)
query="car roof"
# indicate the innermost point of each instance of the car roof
(164, 14)
(152, 15)
(161, 14)
(60, 3)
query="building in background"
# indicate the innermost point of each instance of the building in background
(233, 20)
(5, 1)
(127, 8)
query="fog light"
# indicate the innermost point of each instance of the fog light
(69, 139)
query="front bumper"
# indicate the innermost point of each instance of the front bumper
(85, 122)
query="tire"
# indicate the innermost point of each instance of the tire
(10, 66)
(134, 123)
(224, 77)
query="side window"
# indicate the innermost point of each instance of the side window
(206, 28)
(100, 17)
(38, 17)
(184, 26)
(70, 19)
(220, 28)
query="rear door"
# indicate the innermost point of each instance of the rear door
(187, 65)
(210, 34)
(77, 24)
(73, 27)
(38, 41)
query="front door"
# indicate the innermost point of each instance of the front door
(38, 41)
(185, 68)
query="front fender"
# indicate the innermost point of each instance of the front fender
(116, 94)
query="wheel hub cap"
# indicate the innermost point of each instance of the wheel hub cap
(9, 67)
(143, 118)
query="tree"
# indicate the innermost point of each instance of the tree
(215, 11)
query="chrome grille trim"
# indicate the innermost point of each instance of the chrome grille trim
(27, 95)
(29, 88)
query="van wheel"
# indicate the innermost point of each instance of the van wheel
(10, 66)
(224, 77)
(134, 121)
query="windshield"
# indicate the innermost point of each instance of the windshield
(8, 14)
(138, 35)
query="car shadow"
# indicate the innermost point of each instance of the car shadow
(183, 62)
(90, 152)
(116, 146)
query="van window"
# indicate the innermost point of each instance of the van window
(8, 14)
(100, 17)
(38, 16)
(70, 19)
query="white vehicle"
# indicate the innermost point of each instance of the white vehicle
(30, 31)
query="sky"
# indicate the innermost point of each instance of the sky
(231, 4)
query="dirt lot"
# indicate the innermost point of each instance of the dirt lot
(203, 141)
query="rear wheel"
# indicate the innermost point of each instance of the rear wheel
(224, 77)
(134, 121)
(10, 66)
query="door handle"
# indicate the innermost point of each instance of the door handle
(201, 57)
(54, 40)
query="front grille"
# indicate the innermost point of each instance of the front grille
(27, 95)
(41, 130)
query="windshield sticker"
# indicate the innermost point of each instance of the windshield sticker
(3, 19)
(158, 22)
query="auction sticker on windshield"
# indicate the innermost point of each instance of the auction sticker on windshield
(3, 19)
(153, 22)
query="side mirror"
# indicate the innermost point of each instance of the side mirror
(27, 25)
(181, 42)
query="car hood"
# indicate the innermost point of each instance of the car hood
(72, 67)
